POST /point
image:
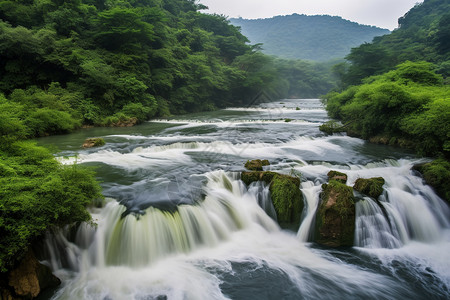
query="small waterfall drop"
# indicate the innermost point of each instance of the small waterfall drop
(311, 194)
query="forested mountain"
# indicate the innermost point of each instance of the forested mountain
(423, 34)
(316, 38)
(396, 89)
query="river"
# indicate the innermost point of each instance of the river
(179, 224)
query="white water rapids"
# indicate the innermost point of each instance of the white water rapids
(219, 239)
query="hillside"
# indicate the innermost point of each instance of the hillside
(396, 89)
(317, 38)
(423, 34)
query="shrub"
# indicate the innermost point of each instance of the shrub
(36, 194)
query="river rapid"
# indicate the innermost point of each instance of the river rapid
(180, 224)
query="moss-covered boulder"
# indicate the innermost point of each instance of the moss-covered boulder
(437, 175)
(93, 142)
(256, 164)
(285, 192)
(372, 187)
(331, 127)
(335, 218)
(287, 199)
(249, 177)
(338, 176)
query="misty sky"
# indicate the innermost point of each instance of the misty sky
(381, 13)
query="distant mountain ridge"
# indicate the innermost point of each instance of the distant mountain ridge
(316, 38)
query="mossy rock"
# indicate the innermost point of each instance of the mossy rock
(331, 127)
(437, 175)
(372, 187)
(249, 177)
(256, 164)
(287, 199)
(335, 218)
(338, 176)
(285, 192)
(93, 142)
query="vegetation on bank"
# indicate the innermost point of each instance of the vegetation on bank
(410, 104)
(37, 193)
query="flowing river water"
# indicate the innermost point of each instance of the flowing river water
(180, 224)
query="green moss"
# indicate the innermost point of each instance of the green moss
(249, 177)
(93, 142)
(287, 198)
(372, 187)
(437, 175)
(335, 218)
(331, 127)
(285, 193)
(256, 164)
(338, 176)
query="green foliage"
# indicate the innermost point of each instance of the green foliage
(409, 102)
(423, 35)
(316, 38)
(92, 59)
(36, 194)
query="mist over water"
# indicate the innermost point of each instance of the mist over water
(180, 224)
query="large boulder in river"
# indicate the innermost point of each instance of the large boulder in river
(285, 192)
(372, 187)
(335, 217)
(31, 277)
(256, 164)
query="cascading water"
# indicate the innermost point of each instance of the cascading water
(179, 227)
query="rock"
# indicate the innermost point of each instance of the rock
(338, 176)
(31, 277)
(331, 127)
(285, 192)
(93, 142)
(256, 164)
(372, 187)
(437, 175)
(5, 294)
(287, 199)
(249, 177)
(335, 217)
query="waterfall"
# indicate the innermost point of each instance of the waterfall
(407, 211)
(139, 240)
(310, 193)
(372, 228)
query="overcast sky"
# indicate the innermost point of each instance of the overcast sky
(381, 13)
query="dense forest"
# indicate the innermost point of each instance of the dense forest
(315, 38)
(75, 63)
